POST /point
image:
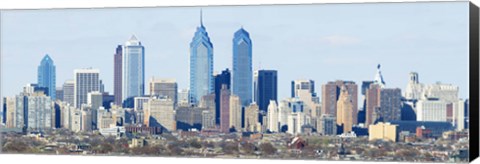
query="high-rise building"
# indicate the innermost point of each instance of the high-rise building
(59, 93)
(201, 64)
(345, 111)
(390, 105)
(235, 112)
(188, 117)
(331, 94)
(160, 113)
(4, 110)
(273, 112)
(224, 109)
(295, 122)
(46, 76)
(432, 110)
(95, 99)
(208, 119)
(69, 92)
(327, 125)
(183, 97)
(133, 69)
(383, 104)
(242, 72)
(252, 122)
(305, 91)
(117, 75)
(265, 85)
(444, 92)
(379, 78)
(87, 118)
(85, 81)
(165, 88)
(139, 102)
(11, 118)
(220, 80)
(372, 98)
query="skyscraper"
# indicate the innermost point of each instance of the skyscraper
(235, 112)
(252, 123)
(69, 92)
(201, 64)
(390, 104)
(46, 76)
(265, 85)
(133, 69)
(305, 91)
(85, 81)
(331, 94)
(224, 109)
(345, 110)
(160, 113)
(242, 66)
(220, 80)
(166, 88)
(273, 113)
(117, 75)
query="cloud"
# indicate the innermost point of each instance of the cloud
(339, 40)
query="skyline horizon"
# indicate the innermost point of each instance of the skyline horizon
(339, 41)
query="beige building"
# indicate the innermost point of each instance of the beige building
(252, 123)
(11, 112)
(235, 112)
(160, 113)
(345, 111)
(272, 113)
(383, 131)
(165, 88)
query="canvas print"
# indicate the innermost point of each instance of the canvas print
(352, 82)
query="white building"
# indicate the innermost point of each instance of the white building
(86, 81)
(235, 112)
(69, 92)
(272, 114)
(295, 122)
(431, 110)
(41, 114)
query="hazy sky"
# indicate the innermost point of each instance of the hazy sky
(322, 42)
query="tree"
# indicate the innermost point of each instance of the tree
(248, 148)
(267, 148)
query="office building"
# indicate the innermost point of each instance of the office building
(327, 125)
(164, 88)
(273, 113)
(85, 81)
(47, 76)
(133, 69)
(220, 80)
(188, 118)
(224, 109)
(242, 71)
(345, 111)
(414, 88)
(201, 64)
(68, 89)
(252, 123)
(265, 88)
(331, 94)
(183, 97)
(235, 112)
(432, 110)
(160, 113)
(59, 93)
(117, 75)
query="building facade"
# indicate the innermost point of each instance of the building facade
(69, 92)
(265, 87)
(117, 75)
(220, 80)
(331, 94)
(165, 88)
(133, 69)
(85, 81)
(47, 76)
(201, 64)
(242, 71)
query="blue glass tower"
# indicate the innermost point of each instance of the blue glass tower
(133, 71)
(46, 76)
(201, 64)
(242, 67)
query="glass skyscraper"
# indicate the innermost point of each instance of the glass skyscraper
(201, 64)
(46, 76)
(265, 88)
(242, 67)
(133, 72)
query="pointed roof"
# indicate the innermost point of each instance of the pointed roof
(47, 59)
(133, 38)
(133, 41)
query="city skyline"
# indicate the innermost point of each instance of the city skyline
(337, 47)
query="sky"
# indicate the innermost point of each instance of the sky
(323, 42)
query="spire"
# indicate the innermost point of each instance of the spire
(201, 17)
